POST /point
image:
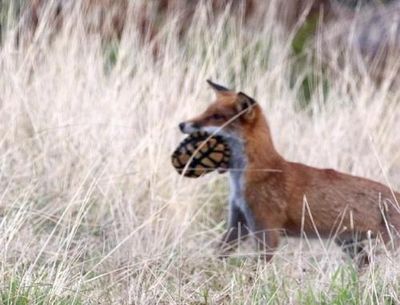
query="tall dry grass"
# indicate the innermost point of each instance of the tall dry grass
(91, 210)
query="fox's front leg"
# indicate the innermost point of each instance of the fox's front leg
(237, 229)
(267, 241)
(267, 235)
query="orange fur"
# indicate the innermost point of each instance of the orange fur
(290, 197)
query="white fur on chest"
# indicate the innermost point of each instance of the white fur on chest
(237, 169)
(236, 195)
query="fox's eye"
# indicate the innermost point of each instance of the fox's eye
(217, 116)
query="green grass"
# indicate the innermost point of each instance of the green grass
(14, 293)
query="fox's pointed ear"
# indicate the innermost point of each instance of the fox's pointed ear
(245, 105)
(217, 88)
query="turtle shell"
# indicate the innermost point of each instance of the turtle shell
(205, 153)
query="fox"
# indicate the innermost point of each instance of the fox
(270, 196)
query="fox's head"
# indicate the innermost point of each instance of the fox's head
(231, 113)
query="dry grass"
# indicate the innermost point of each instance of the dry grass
(92, 211)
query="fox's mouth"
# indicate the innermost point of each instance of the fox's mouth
(189, 127)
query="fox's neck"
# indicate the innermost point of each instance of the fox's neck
(259, 148)
(254, 149)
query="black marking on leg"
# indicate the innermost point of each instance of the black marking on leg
(355, 249)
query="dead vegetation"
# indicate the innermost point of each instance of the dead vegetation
(371, 33)
(91, 209)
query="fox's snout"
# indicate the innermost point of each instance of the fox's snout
(181, 126)
(188, 127)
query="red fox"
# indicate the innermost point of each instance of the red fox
(270, 195)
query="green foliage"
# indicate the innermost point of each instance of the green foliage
(343, 289)
(10, 10)
(14, 293)
(110, 50)
(346, 288)
(304, 35)
(305, 69)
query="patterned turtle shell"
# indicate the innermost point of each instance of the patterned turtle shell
(205, 153)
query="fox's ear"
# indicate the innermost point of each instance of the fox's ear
(245, 103)
(217, 88)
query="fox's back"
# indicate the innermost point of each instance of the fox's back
(333, 201)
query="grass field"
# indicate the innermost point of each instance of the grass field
(91, 210)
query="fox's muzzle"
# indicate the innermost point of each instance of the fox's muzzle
(188, 127)
(181, 126)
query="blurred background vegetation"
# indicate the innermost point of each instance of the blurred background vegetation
(303, 18)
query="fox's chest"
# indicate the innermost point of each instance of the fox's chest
(236, 183)
(238, 199)
(237, 169)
